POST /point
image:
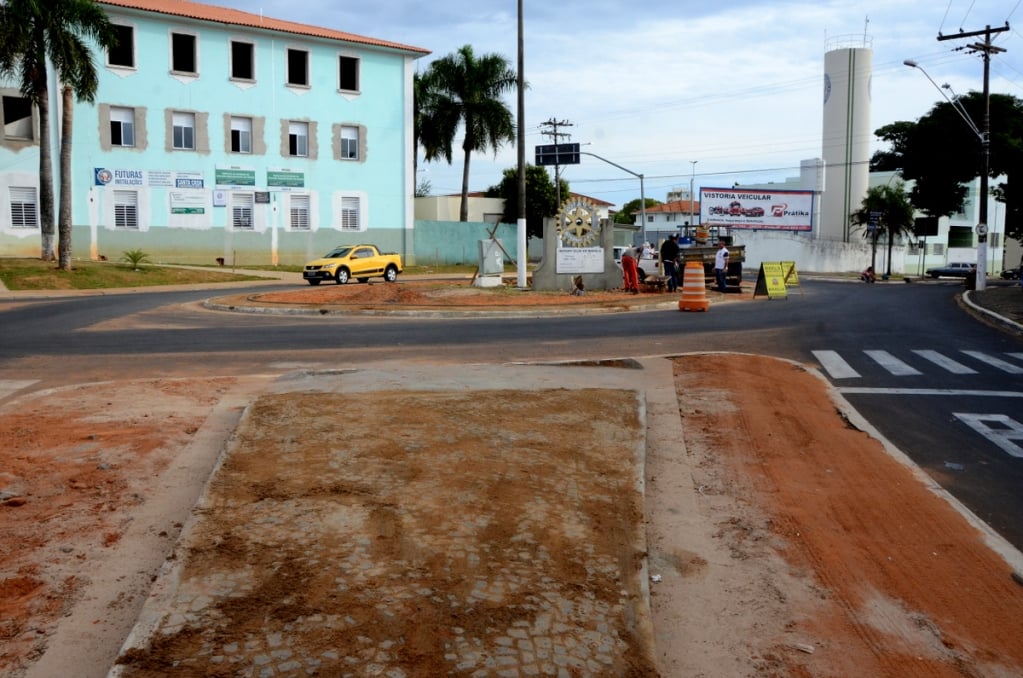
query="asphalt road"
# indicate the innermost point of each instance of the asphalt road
(943, 387)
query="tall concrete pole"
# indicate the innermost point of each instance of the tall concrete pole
(521, 222)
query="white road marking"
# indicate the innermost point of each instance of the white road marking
(834, 365)
(995, 362)
(894, 366)
(945, 362)
(866, 390)
(1003, 434)
(9, 387)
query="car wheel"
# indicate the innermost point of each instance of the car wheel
(362, 280)
(341, 277)
(391, 273)
(314, 281)
(934, 276)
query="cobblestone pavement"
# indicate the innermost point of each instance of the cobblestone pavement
(441, 547)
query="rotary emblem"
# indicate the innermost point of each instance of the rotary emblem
(578, 224)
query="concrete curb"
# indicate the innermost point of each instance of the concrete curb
(1011, 324)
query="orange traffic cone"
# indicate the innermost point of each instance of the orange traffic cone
(694, 289)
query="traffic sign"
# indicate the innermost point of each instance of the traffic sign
(557, 154)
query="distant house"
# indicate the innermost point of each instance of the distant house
(483, 209)
(220, 133)
(670, 215)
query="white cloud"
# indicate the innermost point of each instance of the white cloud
(735, 85)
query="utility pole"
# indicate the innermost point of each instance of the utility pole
(520, 228)
(986, 49)
(549, 128)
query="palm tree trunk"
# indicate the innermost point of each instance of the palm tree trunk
(873, 250)
(891, 238)
(64, 223)
(463, 210)
(45, 177)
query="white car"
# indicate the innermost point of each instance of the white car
(646, 267)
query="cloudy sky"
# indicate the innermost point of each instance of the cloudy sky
(735, 85)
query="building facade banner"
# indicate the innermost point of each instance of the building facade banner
(757, 209)
(285, 179)
(234, 177)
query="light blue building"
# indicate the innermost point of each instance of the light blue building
(218, 133)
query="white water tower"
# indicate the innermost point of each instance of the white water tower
(848, 64)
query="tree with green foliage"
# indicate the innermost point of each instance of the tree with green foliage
(941, 154)
(541, 197)
(894, 217)
(34, 36)
(463, 90)
(627, 214)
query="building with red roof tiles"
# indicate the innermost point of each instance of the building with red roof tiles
(218, 133)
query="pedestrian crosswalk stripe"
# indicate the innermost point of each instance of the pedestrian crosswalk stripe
(945, 362)
(892, 364)
(1003, 365)
(834, 365)
(838, 368)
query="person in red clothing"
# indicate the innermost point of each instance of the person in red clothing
(630, 270)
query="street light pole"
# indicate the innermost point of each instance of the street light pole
(985, 147)
(692, 179)
(642, 192)
(986, 49)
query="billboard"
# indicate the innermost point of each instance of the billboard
(757, 209)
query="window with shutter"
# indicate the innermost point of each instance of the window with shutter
(24, 212)
(126, 210)
(241, 211)
(300, 212)
(350, 208)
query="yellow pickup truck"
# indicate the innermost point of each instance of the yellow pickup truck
(361, 262)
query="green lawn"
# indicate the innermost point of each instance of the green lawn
(35, 274)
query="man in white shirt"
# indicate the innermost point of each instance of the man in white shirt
(721, 266)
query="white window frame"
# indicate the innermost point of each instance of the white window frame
(300, 130)
(243, 209)
(243, 127)
(195, 52)
(134, 49)
(125, 118)
(358, 73)
(349, 142)
(24, 206)
(299, 212)
(126, 209)
(185, 122)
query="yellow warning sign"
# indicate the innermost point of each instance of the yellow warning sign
(788, 268)
(771, 281)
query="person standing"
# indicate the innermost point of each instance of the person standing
(630, 271)
(721, 266)
(669, 256)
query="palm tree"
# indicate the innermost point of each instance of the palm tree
(34, 35)
(887, 209)
(461, 89)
